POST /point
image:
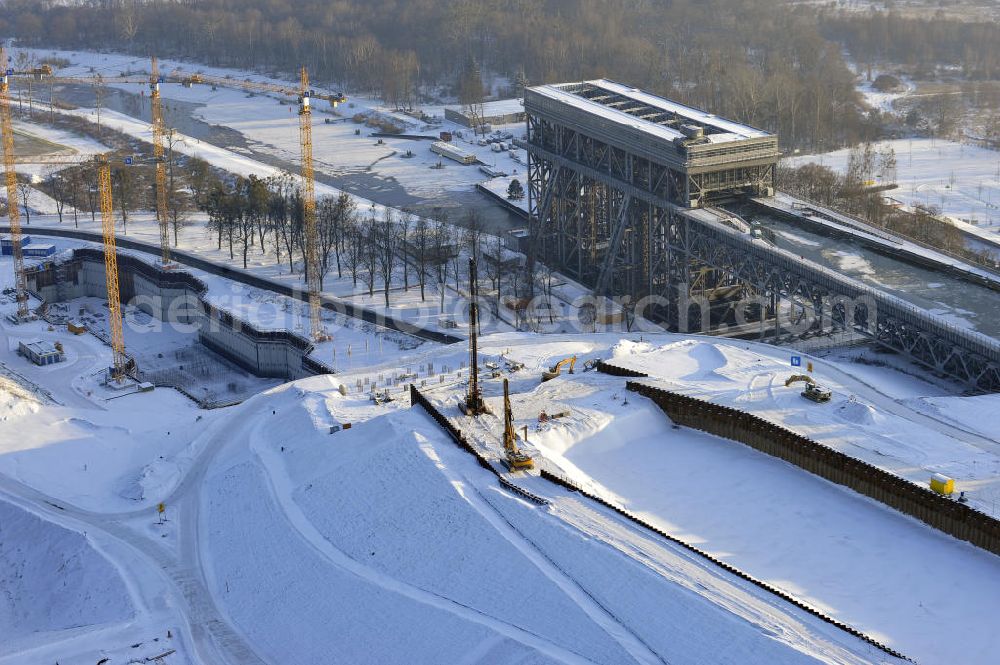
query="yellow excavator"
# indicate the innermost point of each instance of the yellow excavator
(556, 369)
(813, 391)
(516, 460)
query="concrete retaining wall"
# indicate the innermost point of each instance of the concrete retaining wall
(946, 515)
(177, 297)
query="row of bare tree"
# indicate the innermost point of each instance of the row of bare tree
(379, 250)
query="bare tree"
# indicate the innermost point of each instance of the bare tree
(354, 249)
(25, 192)
(178, 200)
(371, 250)
(473, 231)
(388, 245)
(58, 187)
(74, 186)
(331, 216)
(124, 181)
(420, 248)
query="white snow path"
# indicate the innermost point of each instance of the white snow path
(281, 488)
(599, 614)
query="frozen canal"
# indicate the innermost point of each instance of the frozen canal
(956, 301)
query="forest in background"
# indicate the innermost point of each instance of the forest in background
(757, 61)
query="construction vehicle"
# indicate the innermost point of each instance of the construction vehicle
(591, 364)
(544, 417)
(516, 460)
(556, 369)
(381, 396)
(816, 393)
(513, 365)
(813, 391)
(473, 405)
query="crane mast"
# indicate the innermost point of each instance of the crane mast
(119, 367)
(309, 209)
(161, 169)
(6, 127)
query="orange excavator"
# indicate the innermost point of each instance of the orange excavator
(556, 369)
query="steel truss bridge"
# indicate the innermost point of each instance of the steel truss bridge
(605, 212)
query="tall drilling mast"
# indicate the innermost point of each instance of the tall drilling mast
(6, 127)
(474, 404)
(309, 209)
(161, 169)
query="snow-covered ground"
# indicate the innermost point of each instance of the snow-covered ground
(864, 564)
(267, 123)
(289, 542)
(963, 181)
(426, 547)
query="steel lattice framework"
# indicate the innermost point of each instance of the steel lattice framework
(620, 214)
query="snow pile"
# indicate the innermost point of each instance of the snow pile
(52, 579)
(15, 401)
(857, 413)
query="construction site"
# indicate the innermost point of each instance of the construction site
(508, 488)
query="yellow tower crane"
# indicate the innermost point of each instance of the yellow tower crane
(304, 95)
(119, 367)
(13, 214)
(161, 168)
(309, 209)
(121, 363)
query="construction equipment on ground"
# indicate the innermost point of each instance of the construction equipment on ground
(516, 460)
(799, 377)
(556, 369)
(813, 391)
(816, 393)
(545, 417)
(122, 365)
(473, 404)
(591, 364)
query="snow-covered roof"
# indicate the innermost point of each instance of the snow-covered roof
(601, 96)
(498, 107)
(41, 347)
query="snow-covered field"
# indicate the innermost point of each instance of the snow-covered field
(289, 541)
(963, 181)
(268, 123)
(427, 559)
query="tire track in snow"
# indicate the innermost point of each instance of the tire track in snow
(280, 487)
(600, 615)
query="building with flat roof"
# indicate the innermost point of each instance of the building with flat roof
(7, 245)
(500, 112)
(40, 352)
(611, 169)
(702, 155)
